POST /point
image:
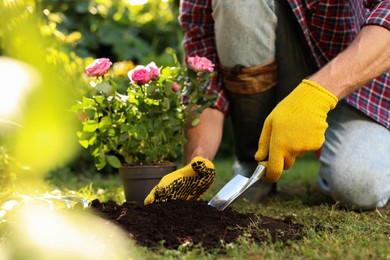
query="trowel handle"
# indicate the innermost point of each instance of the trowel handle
(257, 175)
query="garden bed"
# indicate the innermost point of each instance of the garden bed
(177, 223)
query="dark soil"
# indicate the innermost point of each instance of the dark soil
(193, 223)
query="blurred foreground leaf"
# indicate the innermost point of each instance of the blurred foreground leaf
(46, 138)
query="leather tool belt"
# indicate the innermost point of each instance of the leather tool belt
(249, 80)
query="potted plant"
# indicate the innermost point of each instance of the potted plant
(141, 124)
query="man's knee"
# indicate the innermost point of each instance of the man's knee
(357, 187)
(355, 162)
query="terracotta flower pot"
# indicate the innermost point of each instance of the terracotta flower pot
(139, 180)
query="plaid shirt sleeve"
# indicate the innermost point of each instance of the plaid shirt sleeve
(329, 27)
(379, 15)
(373, 99)
(197, 22)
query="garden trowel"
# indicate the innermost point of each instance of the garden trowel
(235, 187)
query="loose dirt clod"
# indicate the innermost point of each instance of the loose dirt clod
(192, 223)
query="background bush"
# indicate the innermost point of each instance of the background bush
(116, 29)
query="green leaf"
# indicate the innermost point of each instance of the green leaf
(100, 163)
(111, 132)
(85, 135)
(105, 122)
(139, 132)
(123, 137)
(90, 113)
(150, 89)
(124, 127)
(167, 71)
(168, 88)
(88, 101)
(113, 161)
(133, 100)
(84, 143)
(142, 107)
(90, 126)
(165, 104)
(92, 140)
(99, 99)
(77, 107)
(195, 122)
(105, 88)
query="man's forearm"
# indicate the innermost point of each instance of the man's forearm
(205, 138)
(367, 57)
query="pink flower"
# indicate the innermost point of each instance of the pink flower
(99, 67)
(140, 74)
(153, 70)
(200, 64)
(175, 87)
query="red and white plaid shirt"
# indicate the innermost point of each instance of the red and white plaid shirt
(328, 25)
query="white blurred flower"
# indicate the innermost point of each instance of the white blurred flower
(16, 80)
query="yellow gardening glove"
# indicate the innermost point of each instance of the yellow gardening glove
(187, 183)
(295, 126)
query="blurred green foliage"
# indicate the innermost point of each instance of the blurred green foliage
(116, 29)
(47, 79)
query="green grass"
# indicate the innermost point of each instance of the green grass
(331, 231)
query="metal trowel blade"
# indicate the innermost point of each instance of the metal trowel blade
(234, 188)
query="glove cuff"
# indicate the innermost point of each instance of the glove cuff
(330, 97)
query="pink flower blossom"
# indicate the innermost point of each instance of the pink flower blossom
(99, 67)
(200, 64)
(153, 70)
(175, 87)
(140, 74)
